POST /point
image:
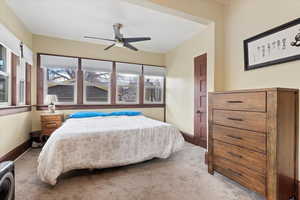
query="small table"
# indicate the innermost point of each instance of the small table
(50, 122)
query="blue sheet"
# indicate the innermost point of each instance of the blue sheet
(84, 114)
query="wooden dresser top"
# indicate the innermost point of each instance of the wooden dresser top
(255, 90)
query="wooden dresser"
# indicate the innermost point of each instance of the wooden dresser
(50, 122)
(253, 136)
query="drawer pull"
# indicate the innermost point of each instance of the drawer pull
(234, 173)
(235, 137)
(234, 102)
(235, 155)
(235, 119)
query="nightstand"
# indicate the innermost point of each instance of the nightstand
(50, 122)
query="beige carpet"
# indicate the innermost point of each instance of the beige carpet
(181, 177)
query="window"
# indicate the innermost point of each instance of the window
(60, 78)
(97, 81)
(153, 89)
(128, 83)
(4, 76)
(21, 76)
(154, 85)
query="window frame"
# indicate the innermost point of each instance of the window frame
(162, 93)
(46, 88)
(137, 90)
(80, 88)
(21, 63)
(95, 102)
(11, 107)
(8, 75)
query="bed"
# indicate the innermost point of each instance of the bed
(102, 142)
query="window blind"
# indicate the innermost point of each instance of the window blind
(28, 55)
(96, 65)
(154, 71)
(10, 41)
(127, 68)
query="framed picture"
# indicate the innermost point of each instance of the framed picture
(278, 45)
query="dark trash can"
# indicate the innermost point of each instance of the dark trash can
(36, 139)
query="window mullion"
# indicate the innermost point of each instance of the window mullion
(113, 84)
(40, 82)
(28, 84)
(164, 91)
(79, 83)
(141, 87)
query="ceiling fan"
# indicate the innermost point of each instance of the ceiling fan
(119, 40)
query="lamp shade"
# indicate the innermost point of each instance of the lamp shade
(51, 99)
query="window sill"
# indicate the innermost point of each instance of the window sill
(102, 106)
(9, 110)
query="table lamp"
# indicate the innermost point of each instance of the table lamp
(51, 100)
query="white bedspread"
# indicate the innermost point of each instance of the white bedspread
(104, 142)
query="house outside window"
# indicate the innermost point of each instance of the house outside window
(60, 78)
(97, 81)
(128, 76)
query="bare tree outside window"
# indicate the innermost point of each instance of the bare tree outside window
(61, 82)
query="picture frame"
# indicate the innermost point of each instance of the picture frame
(275, 46)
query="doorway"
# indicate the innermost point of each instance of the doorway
(200, 112)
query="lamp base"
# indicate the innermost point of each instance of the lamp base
(51, 108)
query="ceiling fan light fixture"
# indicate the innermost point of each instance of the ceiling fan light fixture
(119, 44)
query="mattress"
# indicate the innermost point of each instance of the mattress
(102, 142)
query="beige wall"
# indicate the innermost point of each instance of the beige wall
(208, 10)
(204, 9)
(180, 78)
(245, 19)
(14, 129)
(12, 22)
(43, 44)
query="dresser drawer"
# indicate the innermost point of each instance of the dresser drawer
(250, 159)
(51, 124)
(242, 175)
(253, 121)
(243, 138)
(252, 101)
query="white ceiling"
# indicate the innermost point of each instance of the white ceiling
(73, 19)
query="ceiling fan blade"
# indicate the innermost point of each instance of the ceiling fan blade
(110, 46)
(98, 38)
(129, 46)
(136, 39)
